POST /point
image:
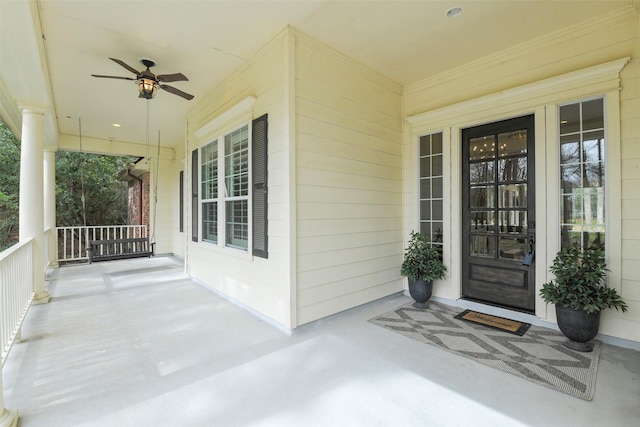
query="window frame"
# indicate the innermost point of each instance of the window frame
(210, 200)
(431, 199)
(582, 163)
(222, 191)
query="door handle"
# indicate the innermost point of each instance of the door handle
(529, 256)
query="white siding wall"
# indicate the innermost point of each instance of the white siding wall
(262, 285)
(161, 214)
(349, 182)
(178, 238)
(630, 174)
(604, 39)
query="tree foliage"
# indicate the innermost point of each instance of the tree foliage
(105, 197)
(91, 176)
(9, 187)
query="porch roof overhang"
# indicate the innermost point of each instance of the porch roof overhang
(50, 49)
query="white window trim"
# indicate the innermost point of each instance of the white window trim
(540, 98)
(223, 198)
(236, 117)
(202, 200)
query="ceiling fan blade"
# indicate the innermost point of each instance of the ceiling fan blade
(177, 77)
(125, 66)
(178, 92)
(112, 77)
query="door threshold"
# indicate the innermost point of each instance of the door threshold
(496, 311)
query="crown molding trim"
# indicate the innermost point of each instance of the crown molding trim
(589, 81)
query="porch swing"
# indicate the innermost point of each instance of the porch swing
(123, 248)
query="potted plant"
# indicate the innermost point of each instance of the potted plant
(580, 293)
(421, 265)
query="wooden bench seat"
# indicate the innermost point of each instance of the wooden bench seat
(110, 249)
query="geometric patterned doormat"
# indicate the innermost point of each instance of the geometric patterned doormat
(539, 356)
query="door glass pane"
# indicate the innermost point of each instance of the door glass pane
(436, 188)
(512, 248)
(425, 166)
(569, 149)
(511, 143)
(482, 197)
(513, 169)
(436, 143)
(594, 146)
(592, 114)
(425, 188)
(436, 165)
(425, 145)
(570, 118)
(425, 210)
(481, 172)
(436, 230)
(571, 178)
(482, 148)
(483, 246)
(436, 206)
(594, 175)
(512, 195)
(513, 221)
(483, 221)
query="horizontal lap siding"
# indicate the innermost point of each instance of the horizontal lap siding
(163, 212)
(261, 284)
(349, 183)
(630, 174)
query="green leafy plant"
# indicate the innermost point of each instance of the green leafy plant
(580, 281)
(422, 260)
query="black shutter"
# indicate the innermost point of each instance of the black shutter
(194, 195)
(181, 201)
(259, 186)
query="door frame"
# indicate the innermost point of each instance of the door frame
(527, 301)
(540, 98)
(541, 126)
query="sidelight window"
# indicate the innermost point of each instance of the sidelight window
(431, 187)
(582, 173)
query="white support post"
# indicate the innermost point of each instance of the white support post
(32, 194)
(50, 205)
(8, 418)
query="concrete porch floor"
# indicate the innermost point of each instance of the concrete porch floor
(136, 343)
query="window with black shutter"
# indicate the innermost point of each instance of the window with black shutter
(228, 188)
(194, 195)
(181, 201)
(259, 186)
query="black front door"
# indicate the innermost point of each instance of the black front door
(498, 213)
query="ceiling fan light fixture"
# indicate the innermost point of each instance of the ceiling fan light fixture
(147, 87)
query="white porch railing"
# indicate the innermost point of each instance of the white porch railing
(73, 241)
(16, 291)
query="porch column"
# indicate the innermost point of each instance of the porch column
(32, 194)
(8, 418)
(50, 205)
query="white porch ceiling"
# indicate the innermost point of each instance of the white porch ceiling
(405, 41)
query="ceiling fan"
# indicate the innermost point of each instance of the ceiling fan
(148, 83)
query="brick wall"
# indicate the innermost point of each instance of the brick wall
(134, 201)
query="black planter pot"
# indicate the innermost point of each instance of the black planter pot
(579, 326)
(420, 290)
